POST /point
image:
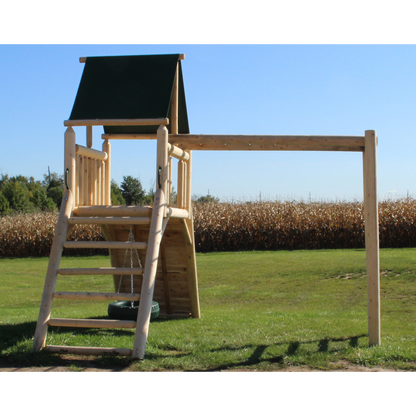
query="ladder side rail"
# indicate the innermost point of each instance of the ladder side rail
(153, 248)
(149, 277)
(51, 276)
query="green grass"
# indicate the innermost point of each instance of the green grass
(260, 310)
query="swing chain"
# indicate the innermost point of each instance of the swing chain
(131, 239)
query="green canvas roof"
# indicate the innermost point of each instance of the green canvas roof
(130, 87)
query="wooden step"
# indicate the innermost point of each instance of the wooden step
(110, 220)
(96, 296)
(125, 271)
(113, 211)
(60, 349)
(91, 323)
(121, 245)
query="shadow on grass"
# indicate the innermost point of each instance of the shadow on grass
(16, 342)
(16, 350)
(292, 350)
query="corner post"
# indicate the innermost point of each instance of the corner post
(162, 169)
(372, 236)
(69, 164)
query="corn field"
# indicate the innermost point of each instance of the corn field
(239, 227)
(31, 235)
(300, 225)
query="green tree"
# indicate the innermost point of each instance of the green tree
(53, 179)
(132, 190)
(17, 195)
(54, 185)
(116, 196)
(40, 199)
(55, 194)
(23, 194)
(4, 205)
(3, 179)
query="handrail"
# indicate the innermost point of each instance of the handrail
(91, 153)
(177, 152)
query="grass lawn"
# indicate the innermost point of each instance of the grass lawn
(260, 310)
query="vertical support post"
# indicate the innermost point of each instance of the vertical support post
(54, 261)
(188, 181)
(181, 184)
(162, 170)
(81, 200)
(189, 225)
(70, 154)
(372, 236)
(89, 136)
(174, 103)
(90, 181)
(107, 149)
(77, 180)
(169, 197)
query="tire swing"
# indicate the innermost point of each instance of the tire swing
(125, 309)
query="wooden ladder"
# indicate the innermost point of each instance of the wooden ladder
(105, 216)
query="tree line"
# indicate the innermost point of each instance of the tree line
(21, 194)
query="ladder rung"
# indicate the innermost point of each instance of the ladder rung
(110, 220)
(106, 244)
(96, 296)
(88, 350)
(113, 211)
(101, 270)
(91, 323)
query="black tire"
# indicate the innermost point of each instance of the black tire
(124, 310)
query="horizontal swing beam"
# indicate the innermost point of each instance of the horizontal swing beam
(253, 142)
(257, 142)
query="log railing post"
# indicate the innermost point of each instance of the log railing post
(69, 164)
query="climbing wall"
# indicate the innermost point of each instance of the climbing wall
(176, 288)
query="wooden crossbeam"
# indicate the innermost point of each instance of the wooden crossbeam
(251, 142)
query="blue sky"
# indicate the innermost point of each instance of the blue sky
(232, 89)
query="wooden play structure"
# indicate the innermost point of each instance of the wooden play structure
(143, 98)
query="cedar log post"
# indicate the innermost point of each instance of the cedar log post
(372, 236)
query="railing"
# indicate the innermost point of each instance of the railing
(87, 172)
(166, 152)
(183, 195)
